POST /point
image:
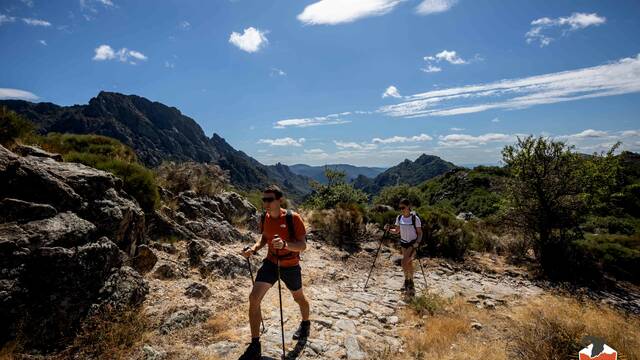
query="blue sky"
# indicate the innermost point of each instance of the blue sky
(366, 82)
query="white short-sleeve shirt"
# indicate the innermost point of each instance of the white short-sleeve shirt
(407, 231)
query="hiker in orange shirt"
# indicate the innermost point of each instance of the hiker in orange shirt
(284, 233)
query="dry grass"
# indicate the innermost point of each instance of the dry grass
(549, 327)
(553, 327)
(110, 334)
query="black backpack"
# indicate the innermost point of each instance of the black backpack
(288, 219)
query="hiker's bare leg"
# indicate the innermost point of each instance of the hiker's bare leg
(255, 298)
(407, 264)
(299, 297)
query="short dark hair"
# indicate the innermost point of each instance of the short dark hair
(273, 189)
(405, 202)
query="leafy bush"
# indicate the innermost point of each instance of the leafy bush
(427, 304)
(391, 196)
(619, 254)
(610, 224)
(342, 226)
(382, 218)
(443, 234)
(137, 180)
(203, 179)
(13, 127)
(336, 192)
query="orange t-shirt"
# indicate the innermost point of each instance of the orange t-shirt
(278, 226)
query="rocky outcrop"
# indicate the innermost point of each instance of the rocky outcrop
(66, 233)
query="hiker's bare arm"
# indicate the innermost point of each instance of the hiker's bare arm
(394, 229)
(297, 246)
(257, 246)
(419, 239)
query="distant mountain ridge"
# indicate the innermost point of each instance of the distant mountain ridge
(407, 172)
(157, 133)
(352, 172)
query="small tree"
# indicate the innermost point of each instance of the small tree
(544, 196)
(336, 192)
(391, 195)
(13, 126)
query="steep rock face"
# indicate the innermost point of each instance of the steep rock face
(157, 133)
(66, 230)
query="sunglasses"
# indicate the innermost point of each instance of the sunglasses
(268, 199)
(402, 207)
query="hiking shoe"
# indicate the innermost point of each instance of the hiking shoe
(405, 286)
(410, 285)
(303, 331)
(253, 352)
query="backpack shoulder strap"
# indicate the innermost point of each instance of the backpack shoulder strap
(413, 221)
(398, 219)
(290, 226)
(262, 218)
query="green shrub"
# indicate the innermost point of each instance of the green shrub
(342, 226)
(610, 224)
(101, 146)
(427, 304)
(391, 196)
(443, 234)
(336, 192)
(382, 218)
(137, 180)
(13, 127)
(619, 254)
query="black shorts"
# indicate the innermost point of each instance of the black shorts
(291, 276)
(406, 245)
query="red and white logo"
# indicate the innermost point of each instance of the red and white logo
(607, 353)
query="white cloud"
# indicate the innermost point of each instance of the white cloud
(251, 40)
(36, 22)
(589, 133)
(391, 91)
(631, 133)
(447, 55)
(106, 52)
(185, 25)
(427, 7)
(29, 3)
(616, 78)
(43, 42)
(465, 140)
(6, 19)
(106, 2)
(402, 139)
(277, 72)
(314, 151)
(169, 64)
(332, 119)
(540, 27)
(431, 69)
(495, 120)
(18, 94)
(287, 141)
(456, 129)
(354, 145)
(332, 12)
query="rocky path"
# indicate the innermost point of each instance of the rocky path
(347, 321)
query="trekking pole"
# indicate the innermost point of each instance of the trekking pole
(421, 268)
(375, 258)
(280, 298)
(253, 283)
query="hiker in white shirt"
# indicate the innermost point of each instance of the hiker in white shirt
(409, 226)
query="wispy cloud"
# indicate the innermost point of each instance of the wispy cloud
(36, 22)
(106, 52)
(427, 7)
(332, 12)
(277, 72)
(402, 139)
(185, 25)
(28, 3)
(465, 140)
(6, 19)
(332, 119)
(391, 91)
(616, 78)
(287, 141)
(6, 93)
(251, 40)
(354, 145)
(43, 42)
(541, 28)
